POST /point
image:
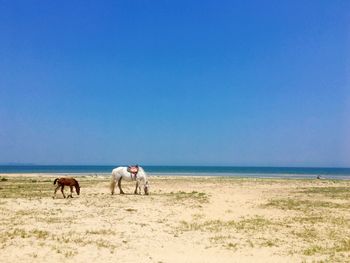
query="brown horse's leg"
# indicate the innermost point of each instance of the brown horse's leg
(62, 187)
(71, 192)
(137, 186)
(54, 194)
(120, 186)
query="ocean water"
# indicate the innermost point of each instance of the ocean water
(284, 172)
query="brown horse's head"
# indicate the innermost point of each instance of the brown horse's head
(77, 187)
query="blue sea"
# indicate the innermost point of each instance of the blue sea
(259, 172)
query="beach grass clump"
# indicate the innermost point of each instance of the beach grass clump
(25, 188)
(343, 245)
(100, 232)
(339, 192)
(304, 205)
(269, 243)
(313, 250)
(226, 233)
(335, 252)
(255, 223)
(194, 196)
(232, 246)
(22, 233)
(308, 234)
(70, 253)
(312, 219)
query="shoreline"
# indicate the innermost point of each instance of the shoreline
(150, 175)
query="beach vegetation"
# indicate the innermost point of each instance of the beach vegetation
(338, 192)
(245, 224)
(307, 233)
(70, 253)
(343, 245)
(194, 196)
(312, 250)
(303, 205)
(233, 246)
(22, 233)
(100, 232)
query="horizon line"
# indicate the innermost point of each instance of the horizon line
(180, 165)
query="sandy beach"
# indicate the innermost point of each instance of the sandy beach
(184, 219)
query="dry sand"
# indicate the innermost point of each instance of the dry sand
(184, 219)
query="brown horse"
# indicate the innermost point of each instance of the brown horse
(66, 181)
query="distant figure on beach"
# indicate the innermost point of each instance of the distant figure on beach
(66, 181)
(318, 177)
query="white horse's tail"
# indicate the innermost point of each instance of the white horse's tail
(113, 182)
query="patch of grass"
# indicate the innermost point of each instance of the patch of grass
(100, 232)
(312, 219)
(193, 226)
(304, 205)
(70, 253)
(83, 240)
(21, 233)
(269, 243)
(53, 220)
(220, 238)
(312, 250)
(101, 243)
(247, 224)
(193, 196)
(233, 246)
(343, 246)
(25, 188)
(254, 223)
(41, 234)
(340, 192)
(307, 234)
(3, 179)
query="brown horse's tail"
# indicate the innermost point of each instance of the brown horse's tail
(54, 182)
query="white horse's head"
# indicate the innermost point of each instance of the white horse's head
(146, 188)
(143, 175)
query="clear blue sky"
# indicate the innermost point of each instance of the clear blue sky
(175, 82)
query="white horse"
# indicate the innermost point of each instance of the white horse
(120, 173)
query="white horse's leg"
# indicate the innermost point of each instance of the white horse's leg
(112, 184)
(137, 187)
(120, 186)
